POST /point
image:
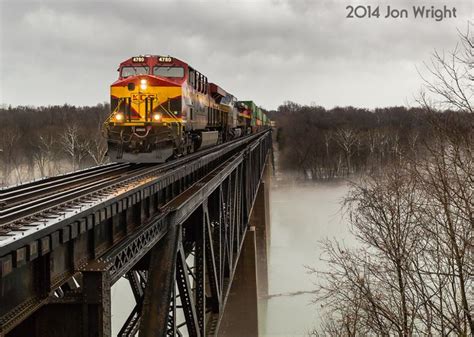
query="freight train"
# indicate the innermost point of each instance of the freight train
(162, 108)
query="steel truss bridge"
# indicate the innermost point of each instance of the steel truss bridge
(189, 236)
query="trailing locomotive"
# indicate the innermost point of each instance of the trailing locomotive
(162, 108)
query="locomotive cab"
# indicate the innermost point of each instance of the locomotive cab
(146, 110)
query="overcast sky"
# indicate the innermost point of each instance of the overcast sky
(65, 51)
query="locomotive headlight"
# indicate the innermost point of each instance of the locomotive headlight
(157, 117)
(143, 84)
(119, 117)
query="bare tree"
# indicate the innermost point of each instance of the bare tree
(97, 149)
(346, 138)
(74, 145)
(447, 181)
(44, 153)
(375, 276)
(448, 177)
(11, 158)
(413, 270)
(448, 82)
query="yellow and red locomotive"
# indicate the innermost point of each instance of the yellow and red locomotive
(163, 108)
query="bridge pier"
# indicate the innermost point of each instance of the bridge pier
(240, 316)
(260, 219)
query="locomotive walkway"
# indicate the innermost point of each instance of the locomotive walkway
(188, 235)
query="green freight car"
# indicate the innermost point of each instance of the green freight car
(257, 114)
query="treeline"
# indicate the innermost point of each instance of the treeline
(324, 144)
(45, 141)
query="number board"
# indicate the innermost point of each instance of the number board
(165, 59)
(138, 59)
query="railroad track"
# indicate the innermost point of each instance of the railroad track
(21, 201)
(22, 193)
(24, 205)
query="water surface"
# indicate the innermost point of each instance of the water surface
(301, 215)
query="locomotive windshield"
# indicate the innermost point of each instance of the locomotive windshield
(168, 71)
(133, 71)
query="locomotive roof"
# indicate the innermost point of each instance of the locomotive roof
(153, 59)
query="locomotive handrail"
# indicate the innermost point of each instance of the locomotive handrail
(105, 125)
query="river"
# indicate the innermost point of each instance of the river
(301, 215)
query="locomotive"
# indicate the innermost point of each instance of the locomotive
(163, 108)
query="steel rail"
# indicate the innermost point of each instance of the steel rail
(18, 196)
(9, 190)
(31, 206)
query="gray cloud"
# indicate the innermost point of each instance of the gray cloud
(54, 52)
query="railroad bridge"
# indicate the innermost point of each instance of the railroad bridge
(190, 237)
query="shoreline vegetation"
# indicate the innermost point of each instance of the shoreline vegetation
(37, 142)
(320, 144)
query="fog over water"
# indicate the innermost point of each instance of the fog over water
(301, 215)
